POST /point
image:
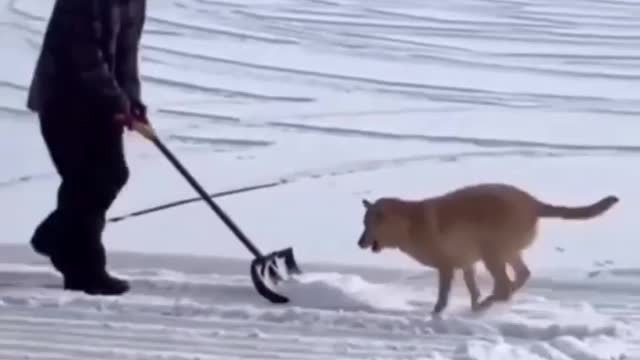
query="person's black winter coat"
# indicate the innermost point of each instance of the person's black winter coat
(89, 56)
(87, 73)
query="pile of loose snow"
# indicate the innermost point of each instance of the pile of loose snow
(338, 291)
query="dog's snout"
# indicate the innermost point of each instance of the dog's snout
(362, 241)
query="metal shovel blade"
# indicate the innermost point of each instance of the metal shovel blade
(289, 261)
(271, 269)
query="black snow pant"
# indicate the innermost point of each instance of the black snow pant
(88, 154)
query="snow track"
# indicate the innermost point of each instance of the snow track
(194, 312)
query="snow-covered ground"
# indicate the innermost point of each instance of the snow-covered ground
(337, 100)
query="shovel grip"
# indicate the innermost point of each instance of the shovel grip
(144, 129)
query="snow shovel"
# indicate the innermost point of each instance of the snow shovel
(263, 267)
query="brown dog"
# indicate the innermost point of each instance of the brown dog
(492, 223)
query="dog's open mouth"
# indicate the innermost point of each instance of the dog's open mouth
(375, 247)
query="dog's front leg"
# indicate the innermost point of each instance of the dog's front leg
(445, 279)
(469, 274)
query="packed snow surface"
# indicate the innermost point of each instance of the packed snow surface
(329, 102)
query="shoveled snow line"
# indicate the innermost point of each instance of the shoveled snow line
(286, 70)
(219, 31)
(348, 169)
(51, 355)
(25, 178)
(531, 20)
(194, 114)
(211, 89)
(223, 347)
(346, 323)
(545, 70)
(433, 30)
(193, 199)
(15, 9)
(12, 85)
(481, 142)
(376, 165)
(388, 86)
(568, 18)
(208, 324)
(233, 5)
(76, 351)
(181, 343)
(13, 110)
(180, 337)
(459, 28)
(477, 141)
(423, 16)
(363, 166)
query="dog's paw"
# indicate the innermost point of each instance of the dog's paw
(436, 315)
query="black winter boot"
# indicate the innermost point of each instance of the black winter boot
(46, 235)
(102, 284)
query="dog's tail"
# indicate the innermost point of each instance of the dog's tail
(577, 212)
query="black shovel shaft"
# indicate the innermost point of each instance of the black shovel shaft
(203, 194)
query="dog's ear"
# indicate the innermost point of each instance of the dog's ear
(366, 203)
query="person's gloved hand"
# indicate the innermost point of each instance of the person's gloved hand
(125, 120)
(137, 112)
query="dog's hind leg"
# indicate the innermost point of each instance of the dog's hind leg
(445, 279)
(469, 275)
(501, 283)
(521, 271)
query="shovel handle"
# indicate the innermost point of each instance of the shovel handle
(149, 133)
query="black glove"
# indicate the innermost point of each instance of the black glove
(139, 111)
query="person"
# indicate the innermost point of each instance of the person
(86, 90)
